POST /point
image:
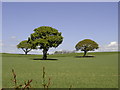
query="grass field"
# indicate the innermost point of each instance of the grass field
(64, 70)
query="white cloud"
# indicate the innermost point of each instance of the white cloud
(35, 51)
(112, 46)
(13, 45)
(13, 37)
(1, 44)
(39, 51)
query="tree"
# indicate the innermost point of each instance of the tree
(25, 46)
(86, 45)
(45, 37)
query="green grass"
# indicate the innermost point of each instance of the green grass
(100, 71)
(0, 70)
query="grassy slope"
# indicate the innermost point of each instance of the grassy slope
(0, 70)
(98, 72)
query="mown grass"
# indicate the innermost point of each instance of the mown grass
(64, 70)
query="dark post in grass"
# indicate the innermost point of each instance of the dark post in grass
(86, 45)
(45, 37)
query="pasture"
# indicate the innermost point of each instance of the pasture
(64, 70)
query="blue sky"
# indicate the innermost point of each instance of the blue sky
(60, 0)
(76, 20)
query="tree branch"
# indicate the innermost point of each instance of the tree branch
(23, 49)
(29, 50)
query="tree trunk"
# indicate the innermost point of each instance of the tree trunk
(85, 52)
(26, 53)
(45, 54)
(26, 50)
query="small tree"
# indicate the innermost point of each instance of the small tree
(25, 46)
(45, 37)
(86, 45)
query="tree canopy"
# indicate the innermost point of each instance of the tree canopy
(45, 37)
(25, 46)
(86, 45)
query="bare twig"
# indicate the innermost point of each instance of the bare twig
(48, 83)
(70, 87)
(45, 85)
(14, 78)
(27, 85)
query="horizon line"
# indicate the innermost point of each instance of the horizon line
(50, 54)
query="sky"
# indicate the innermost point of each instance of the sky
(60, 0)
(76, 20)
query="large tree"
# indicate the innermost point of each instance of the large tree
(45, 37)
(86, 45)
(25, 46)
